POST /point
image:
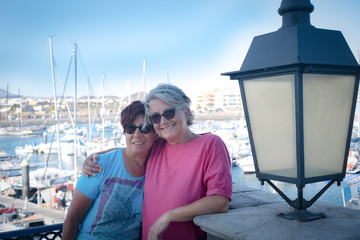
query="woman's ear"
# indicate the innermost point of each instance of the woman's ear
(187, 114)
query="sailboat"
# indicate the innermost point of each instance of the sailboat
(21, 130)
(69, 147)
(105, 126)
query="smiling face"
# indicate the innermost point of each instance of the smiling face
(174, 130)
(139, 143)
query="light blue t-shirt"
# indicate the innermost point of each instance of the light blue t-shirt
(116, 212)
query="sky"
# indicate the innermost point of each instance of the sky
(188, 43)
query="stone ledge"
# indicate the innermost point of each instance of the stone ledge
(247, 197)
(253, 215)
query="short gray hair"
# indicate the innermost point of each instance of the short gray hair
(171, 95)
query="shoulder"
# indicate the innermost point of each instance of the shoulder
(210, 137)
(212, 143)
(111, 154)
(107, 158)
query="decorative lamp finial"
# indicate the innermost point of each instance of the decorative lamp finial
(295, 12)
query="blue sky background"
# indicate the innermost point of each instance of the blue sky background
(194, 41)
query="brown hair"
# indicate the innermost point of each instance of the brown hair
(129, 114)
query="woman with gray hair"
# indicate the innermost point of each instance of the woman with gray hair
(187, 174)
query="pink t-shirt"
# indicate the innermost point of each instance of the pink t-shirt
(177, 175)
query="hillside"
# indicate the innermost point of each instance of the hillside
(3, 94)
(137, 95)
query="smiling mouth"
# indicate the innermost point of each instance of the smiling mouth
(168, 127)
(138, 143)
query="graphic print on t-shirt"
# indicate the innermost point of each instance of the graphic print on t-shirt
(116, 205)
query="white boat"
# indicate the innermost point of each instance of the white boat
(47, 177)
(27, 149)
(246, 164)
(62, 127)
(353, 164)
(12, 166)
(3, 131)
(79, 131)
(244, 149)
(225, 131)
(108, 126)
(18, 132)
(25, 131)
(44, 178)
(4, 155)
(242, 131)
(90, 148)
(66, 148)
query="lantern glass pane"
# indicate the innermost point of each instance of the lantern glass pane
(273, 128)
(327, 110)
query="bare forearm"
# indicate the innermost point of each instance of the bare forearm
(70, 228)
(79, 206)
(205, 205)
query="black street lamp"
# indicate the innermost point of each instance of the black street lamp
(299, 87)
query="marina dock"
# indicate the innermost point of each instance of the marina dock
(50, 215)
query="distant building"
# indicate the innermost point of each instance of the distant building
(205, 101)
(27, 108)
(225, 100)
(38, 108)
(231, 100)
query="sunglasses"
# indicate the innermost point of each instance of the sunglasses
(155, 118)
(130, 129)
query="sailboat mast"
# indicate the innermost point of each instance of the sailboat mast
(144, 79)
(142, 84)
(75, 113)
(103, 109)
(129, 93)
(167, 76)
(7, 105)
(89, 108)
(55, 102)
(20, 99)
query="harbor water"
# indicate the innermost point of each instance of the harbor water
(8, 143)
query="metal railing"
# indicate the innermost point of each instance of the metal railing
(47, 232)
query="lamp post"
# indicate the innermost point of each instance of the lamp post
(299, 87)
